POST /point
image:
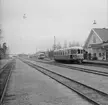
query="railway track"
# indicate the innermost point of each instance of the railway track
(5, 73)
(92, 95)
(95, 65)
(97, 72)
(89, 64)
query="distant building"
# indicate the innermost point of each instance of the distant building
(97, 43)
(22, 55)
(2, 54)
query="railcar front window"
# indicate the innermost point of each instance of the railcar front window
(78, 51)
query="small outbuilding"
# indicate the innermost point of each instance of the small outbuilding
(97, 43)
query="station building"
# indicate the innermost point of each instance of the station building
(97, 43)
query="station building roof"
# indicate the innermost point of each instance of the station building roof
(100, 33)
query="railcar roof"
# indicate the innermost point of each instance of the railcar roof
(75, 47)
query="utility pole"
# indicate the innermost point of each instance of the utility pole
(0, 34)
(54, 43)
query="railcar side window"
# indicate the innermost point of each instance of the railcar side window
(78, 51)
(71, 51)
(68, 51)
(74, 51)
(65, 52)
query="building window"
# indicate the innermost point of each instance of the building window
(94, 54)
(100, 54)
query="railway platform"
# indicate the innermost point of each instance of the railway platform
(28, 86)
(103, 62)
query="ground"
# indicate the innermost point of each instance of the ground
(28, 86)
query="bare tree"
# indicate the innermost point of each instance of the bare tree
(1, 33)
(77, 44)
(74, 44)
(65, 44)
(59, 46)
(54, 47)
(70, 44)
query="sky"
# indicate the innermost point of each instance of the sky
(67, 20)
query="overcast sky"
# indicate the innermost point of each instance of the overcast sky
(67, 20)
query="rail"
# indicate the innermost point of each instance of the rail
(5, 74)
(93, 71)
(94, 96)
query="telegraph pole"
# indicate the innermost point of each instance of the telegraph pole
(1, 34)
(54, 43)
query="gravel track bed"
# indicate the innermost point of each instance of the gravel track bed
(91, 94)
(86, 64)
(4, 78)
(95, 65)
(28, 86)
(97, 71)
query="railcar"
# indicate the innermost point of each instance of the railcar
(41, 56)
(69, 54)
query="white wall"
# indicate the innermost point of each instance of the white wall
(96, 37)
